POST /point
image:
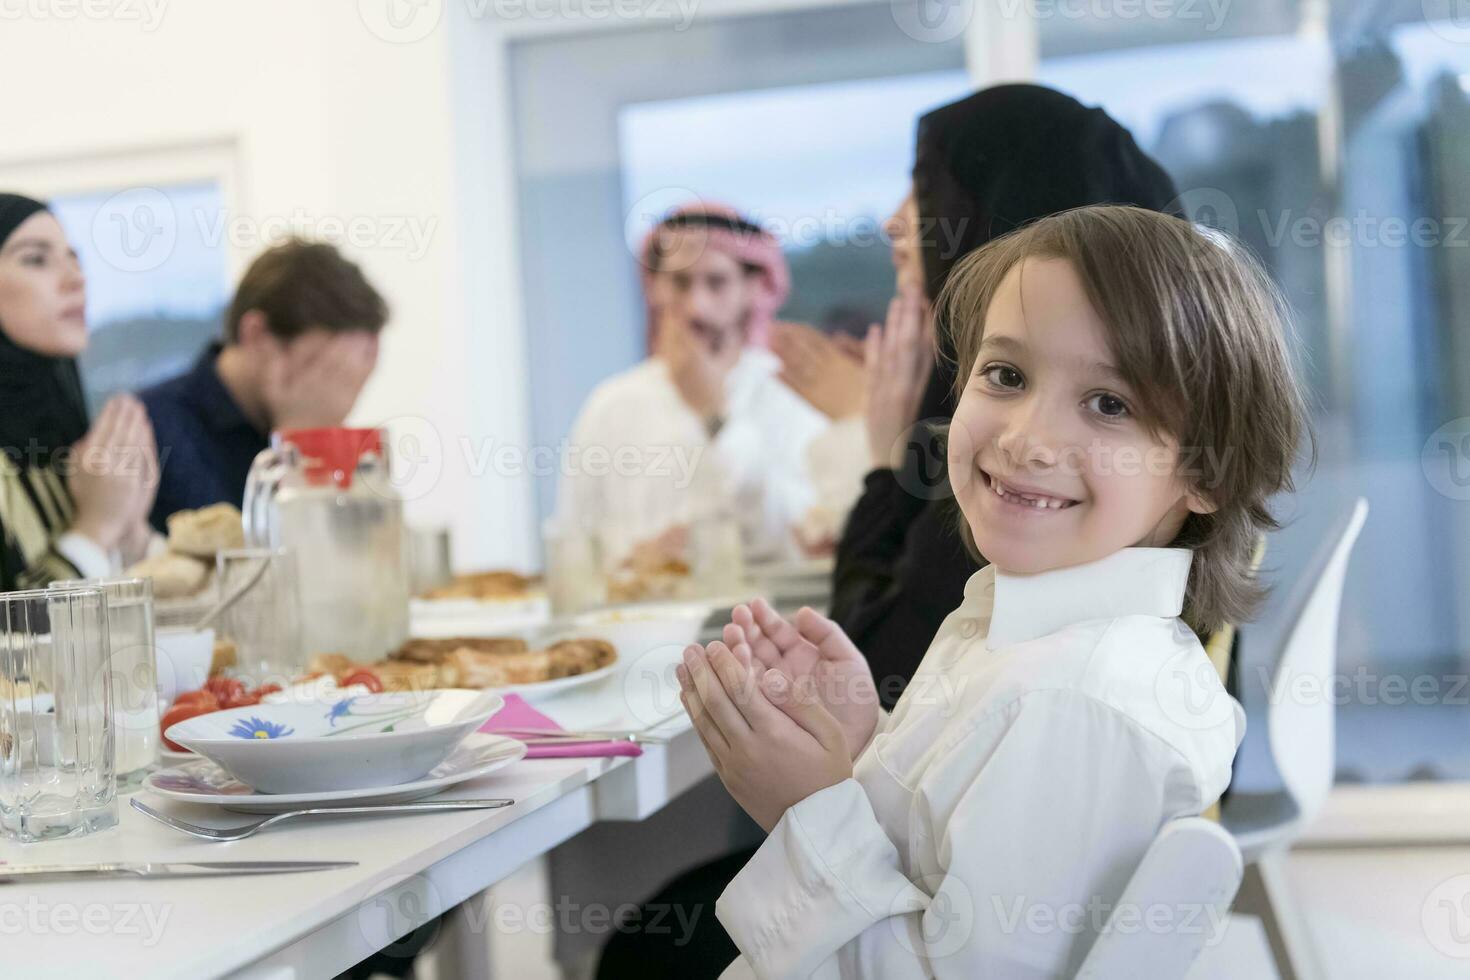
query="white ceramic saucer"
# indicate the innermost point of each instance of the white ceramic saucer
(201, 781)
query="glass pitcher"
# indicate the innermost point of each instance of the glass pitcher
(325, 494)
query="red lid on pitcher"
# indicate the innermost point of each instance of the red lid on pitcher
(332, 454)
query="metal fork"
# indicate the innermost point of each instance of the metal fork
(246, 830)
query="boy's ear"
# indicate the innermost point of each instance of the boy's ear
(1199, 502)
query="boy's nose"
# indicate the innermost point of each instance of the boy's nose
(1030, 439)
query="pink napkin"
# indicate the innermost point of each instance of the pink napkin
(518, 714)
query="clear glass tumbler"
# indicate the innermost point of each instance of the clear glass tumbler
(134, 673)
(719, 556)
(575, 579)
(56, 714)
(264, 624)
(429, 564)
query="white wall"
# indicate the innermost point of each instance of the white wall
(314, 117)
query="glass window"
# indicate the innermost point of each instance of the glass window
(1337, 150)
(156, 280)
(811, 164)
(612, 126)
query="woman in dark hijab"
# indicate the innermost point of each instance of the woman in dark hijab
(72, 501)
(983, 166)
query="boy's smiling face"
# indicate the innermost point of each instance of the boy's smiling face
(1049, 463)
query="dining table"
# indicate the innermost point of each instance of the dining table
(410, 868)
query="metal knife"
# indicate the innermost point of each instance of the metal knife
(161, 869)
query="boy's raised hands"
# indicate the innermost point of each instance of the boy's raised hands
(815, 654)
(772, 744)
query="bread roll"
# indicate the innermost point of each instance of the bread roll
(174, 576)
(206, 532)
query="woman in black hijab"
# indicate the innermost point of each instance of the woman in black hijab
(72, 501)
(983, 166)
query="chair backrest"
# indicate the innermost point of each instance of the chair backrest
(1177, 901)
(1300, 718)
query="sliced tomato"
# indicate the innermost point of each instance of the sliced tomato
(367, 678)
(225, 689)
(176, 714)
(198, 697)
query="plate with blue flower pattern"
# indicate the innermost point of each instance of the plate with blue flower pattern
(201, 781)
(340, 741)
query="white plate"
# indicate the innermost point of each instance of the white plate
(636, 630)
(343, 741)
(201, 781)
(543, 689)
(440, 618)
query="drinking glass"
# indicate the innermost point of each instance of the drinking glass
(575, 580)
(56, 722)
(718, 555)
(133, 665)
(265, 623)
(428, 559)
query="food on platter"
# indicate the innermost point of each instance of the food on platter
(654, 569)
(486, 587)
(435, 651)
(206, 532)
(223, 656)
(174, 576)
(470, 662)
(480, 668)
(183, 572)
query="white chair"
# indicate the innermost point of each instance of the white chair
(1175, 902)
(1301, 732)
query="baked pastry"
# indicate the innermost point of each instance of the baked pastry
(205, 532)
(437, 651)
(570, 657)
(174, 576)
(665, 580)
(401, 675)
(223, 656)
(485, 585)
(477, 668)
(336, 664)
(473, 662)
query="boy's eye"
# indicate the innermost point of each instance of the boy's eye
(1108, 406)
(1003, 376)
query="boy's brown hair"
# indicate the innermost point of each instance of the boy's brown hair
(301, 285)
(1199, 333)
